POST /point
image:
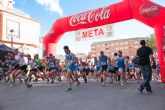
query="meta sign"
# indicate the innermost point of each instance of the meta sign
(94, 33)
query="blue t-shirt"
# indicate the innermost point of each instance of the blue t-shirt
(52, 63)
(130, 66)
(111, 66)
(103, 60)
(120, 63)
(96, 62)
(69, 58)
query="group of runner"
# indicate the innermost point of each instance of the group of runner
(118, 68)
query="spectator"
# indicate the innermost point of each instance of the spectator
(144, 54)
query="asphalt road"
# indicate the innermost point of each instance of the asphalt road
(89, 96)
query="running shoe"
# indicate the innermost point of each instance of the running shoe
(36, 80)
(69, 89)
(78, 84)
(140, 90)
(149, 92)
(12, 85)
(29, 85)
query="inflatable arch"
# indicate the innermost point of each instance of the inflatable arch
(145, 11)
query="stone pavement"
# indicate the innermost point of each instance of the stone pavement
(85, 97)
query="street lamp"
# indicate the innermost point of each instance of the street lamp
(12, 34)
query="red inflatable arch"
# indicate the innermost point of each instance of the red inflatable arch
(145, 11)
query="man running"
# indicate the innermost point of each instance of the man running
(22, 68)
(121, 65)
(103, 61)
(72, 67)
(53, 69)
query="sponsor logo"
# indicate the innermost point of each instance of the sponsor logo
(90, 17)
(149, 10)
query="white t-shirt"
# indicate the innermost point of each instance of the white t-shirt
(20, 59)
(115, 58)
(32, 64)
(17, 57)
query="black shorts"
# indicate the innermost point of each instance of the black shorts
(17, 67)
(104, 67)
(23, 67)
(92, 70)
(33, 70)
(83, 70)
(41, 68)
(54, 68)
(111, 71)
(116, 69)
(87, 71)
(127, 70)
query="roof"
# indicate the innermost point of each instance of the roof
(119, 40)
(3, 47)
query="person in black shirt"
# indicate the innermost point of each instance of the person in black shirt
(144, 54)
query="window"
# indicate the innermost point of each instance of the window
(136, 42)
(93, 46)
(136, 47)
(13, 26)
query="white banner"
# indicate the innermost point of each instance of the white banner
(94, 33)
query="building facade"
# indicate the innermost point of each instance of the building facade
(127, 46)
(19, 30)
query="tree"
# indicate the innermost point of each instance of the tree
(151, 42)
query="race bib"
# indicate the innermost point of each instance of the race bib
(103, 63)
(120, 69)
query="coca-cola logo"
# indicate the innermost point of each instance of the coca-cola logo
(149, 10)
(90, 17)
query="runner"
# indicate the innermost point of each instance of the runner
(53, 69)
(127, 75)
(117, 76)
(137, 69)
(72, 67)
(10, 61)
(103, 61)
(83, 70)
(97, 70)
(33, 69)
(121, 66)
(22, 71)
(40, 68)
(111, 70)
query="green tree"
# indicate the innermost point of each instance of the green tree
(151, 42)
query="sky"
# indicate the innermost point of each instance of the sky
(48, 11)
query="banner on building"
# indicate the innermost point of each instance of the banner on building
(94, 33)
